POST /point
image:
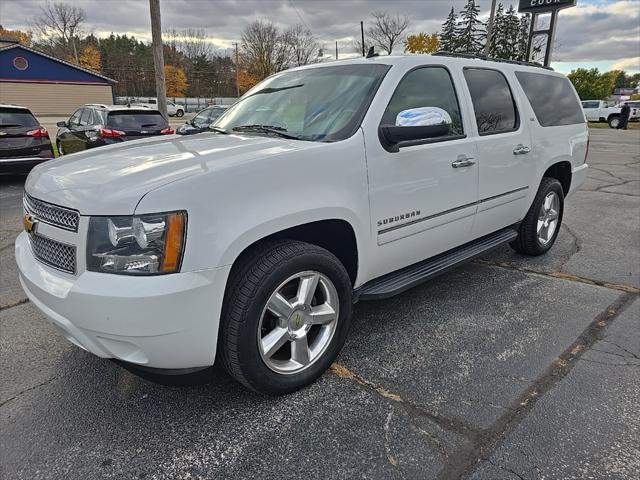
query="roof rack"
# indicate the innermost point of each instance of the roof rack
(480, 56)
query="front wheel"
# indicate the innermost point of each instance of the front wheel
(285, 318)
(59, 147)
(614, 121)
(540, 227)
(180, 113)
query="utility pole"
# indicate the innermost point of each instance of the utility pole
(490, 27)
(158, 56)
(237, 72)
(336, 50)
(362, 36)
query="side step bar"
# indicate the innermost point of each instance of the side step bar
(401, 280)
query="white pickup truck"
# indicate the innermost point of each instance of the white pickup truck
(323, 185)
(601, 111)
(173, 109)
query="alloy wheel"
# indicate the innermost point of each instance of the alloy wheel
(548, 218)
(298, 322)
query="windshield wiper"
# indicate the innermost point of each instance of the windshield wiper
(145, 125)
(3, 125)
(267, 129)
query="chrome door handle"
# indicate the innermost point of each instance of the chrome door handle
(521, 149)
(463, 161)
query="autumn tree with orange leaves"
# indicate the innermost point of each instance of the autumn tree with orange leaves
(24, 38)
(422, 43)
(175, 81)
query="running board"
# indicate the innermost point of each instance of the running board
(408, 277)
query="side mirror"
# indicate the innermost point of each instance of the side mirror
(61, 124)
(415, 124)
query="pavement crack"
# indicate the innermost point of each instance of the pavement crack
(42, 384)
(14, 304)
(464, 461)
(561, 275)
(506, 469)
(634, 355)
(610, 364)
(451, 424)
(387, 447)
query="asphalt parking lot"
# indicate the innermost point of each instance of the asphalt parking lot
(506, 368)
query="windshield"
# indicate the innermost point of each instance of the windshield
(320, 104)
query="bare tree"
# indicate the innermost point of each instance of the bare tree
(387, 30)
(304, 47)
(60, 25)
(192, 42)
(264, 49)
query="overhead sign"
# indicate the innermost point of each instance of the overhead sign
(540, 6)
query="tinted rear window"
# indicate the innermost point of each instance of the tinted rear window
(553, 99)
(492, 101)
(17, 117)
(136, 120)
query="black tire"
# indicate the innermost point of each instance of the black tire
(179, 113)
(253, 279)
(59, 147)
(527, 241)
(613, 121)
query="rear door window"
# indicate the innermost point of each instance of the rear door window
(590, 104)
(136, 120)
(552, 98)
(492, 100)
(17, 117)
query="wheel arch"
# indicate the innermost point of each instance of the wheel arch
(561, 171)
(336, 235)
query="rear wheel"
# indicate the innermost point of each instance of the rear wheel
(179, 113)
(286, 315)
(614, 121)
(540, 227)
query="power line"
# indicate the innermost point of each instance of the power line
(299, 15)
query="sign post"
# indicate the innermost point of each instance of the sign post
(535, 8)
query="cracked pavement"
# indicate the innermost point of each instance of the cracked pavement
(510, 367)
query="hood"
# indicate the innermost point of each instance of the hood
(111, 180)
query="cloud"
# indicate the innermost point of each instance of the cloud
(594, 31)
(629, 64)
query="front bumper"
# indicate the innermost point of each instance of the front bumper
(166, 321)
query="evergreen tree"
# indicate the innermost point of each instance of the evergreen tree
(470, 30)
(449, 34)
(512, 29)
(523, 37)
(498, 33)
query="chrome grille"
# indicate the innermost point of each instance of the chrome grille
(56, 254)
(52, 214)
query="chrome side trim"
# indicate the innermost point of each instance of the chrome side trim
(451, 210)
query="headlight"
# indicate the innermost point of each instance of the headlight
(149, 244)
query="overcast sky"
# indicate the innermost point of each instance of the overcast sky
(600, 33)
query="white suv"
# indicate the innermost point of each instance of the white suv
(323, 185)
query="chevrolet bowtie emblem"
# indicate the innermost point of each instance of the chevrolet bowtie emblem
(29, 223)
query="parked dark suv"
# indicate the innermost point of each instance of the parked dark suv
(95, 125)
(23, 141)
